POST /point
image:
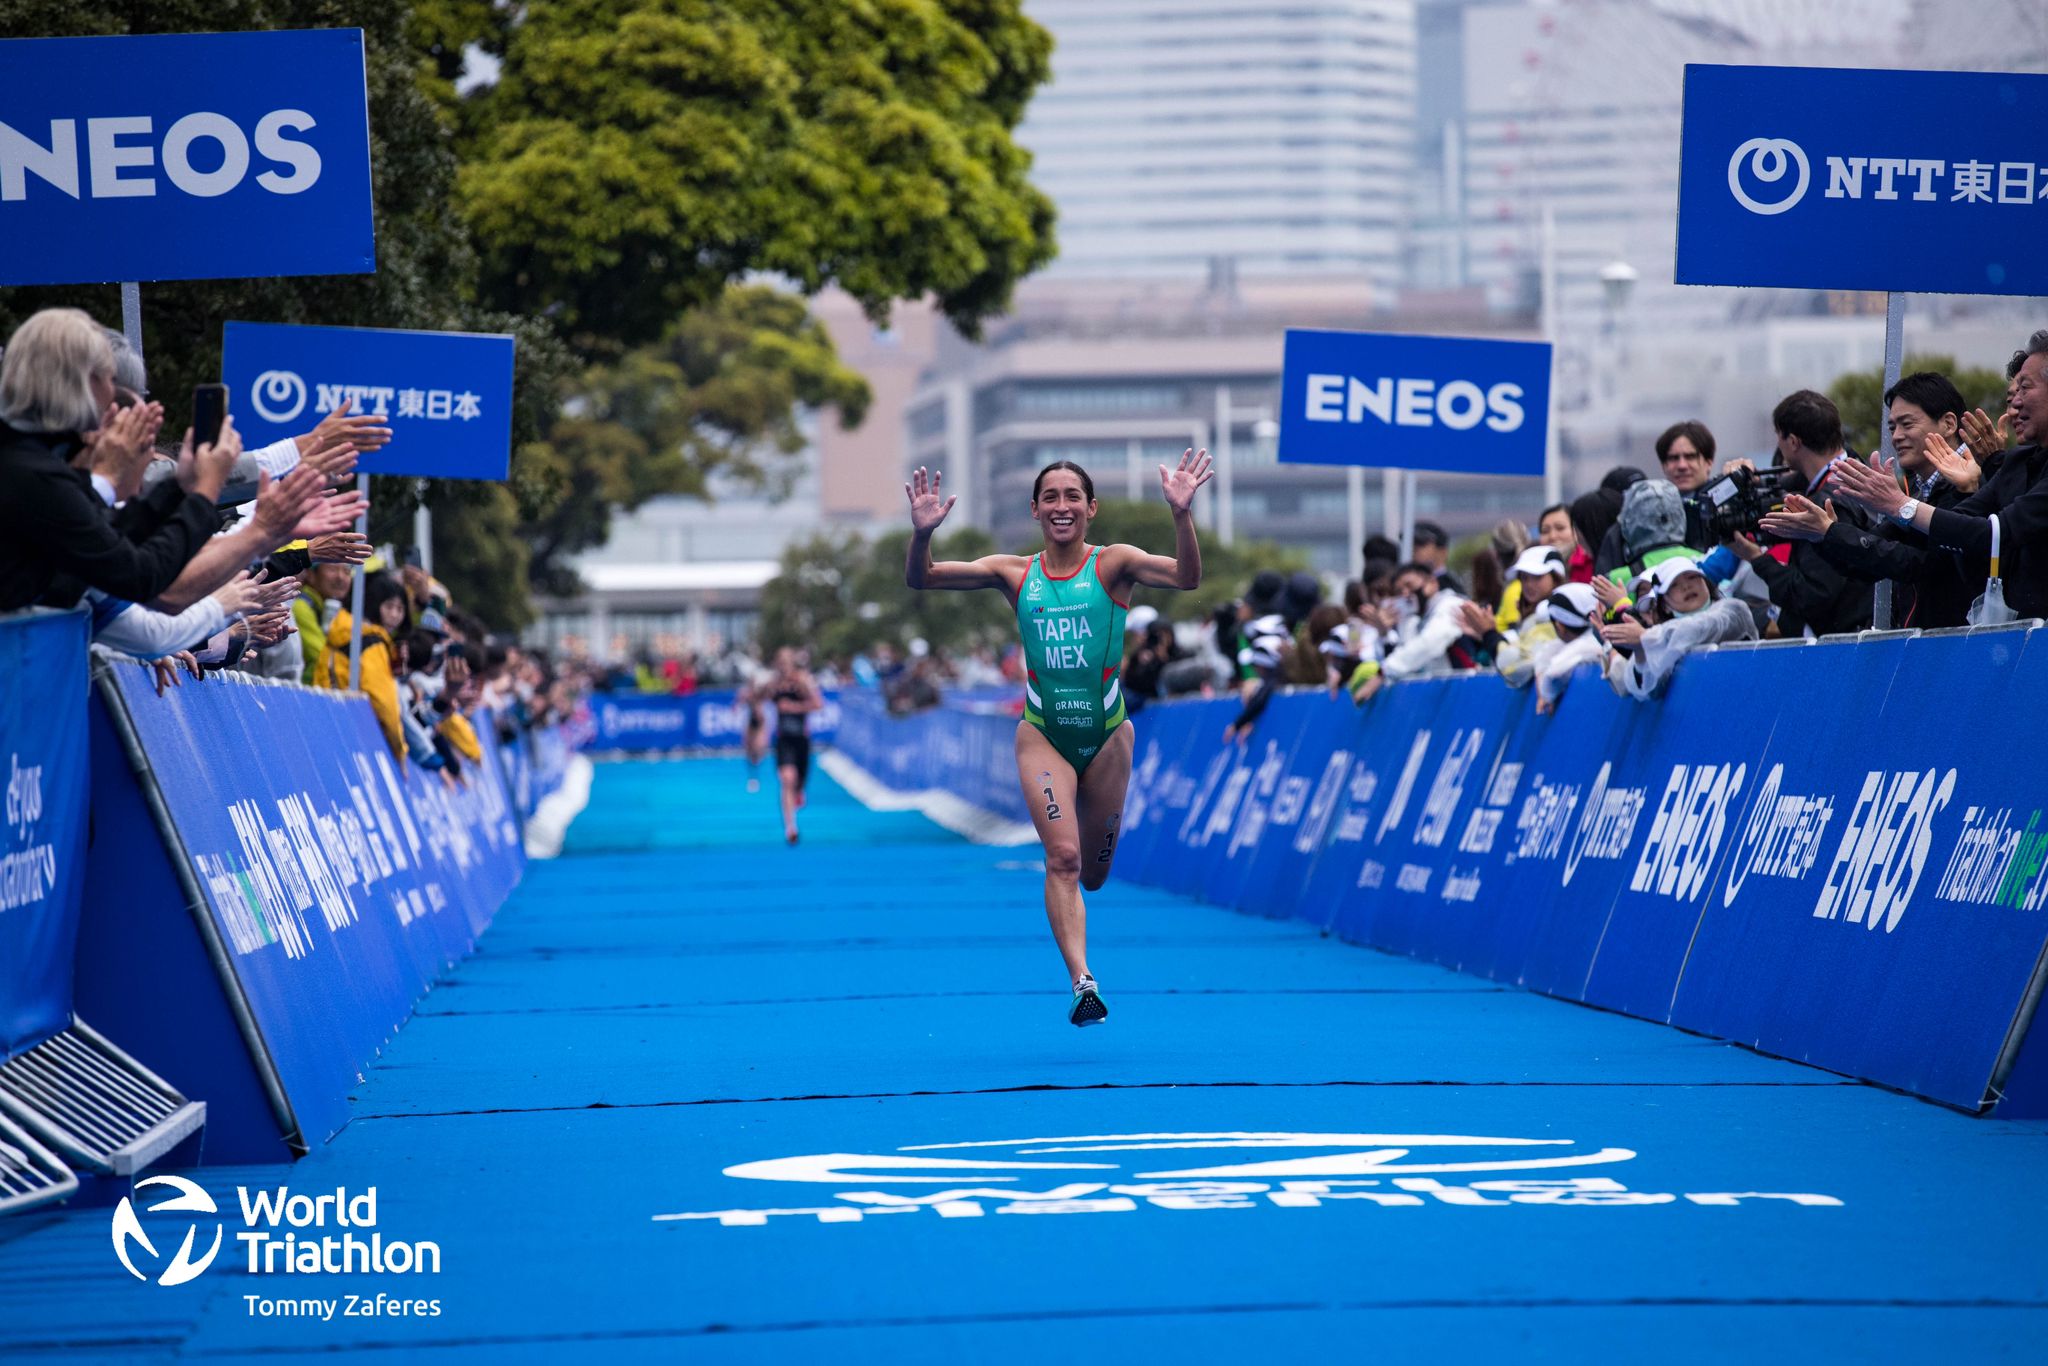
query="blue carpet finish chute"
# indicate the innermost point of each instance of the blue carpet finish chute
(702, 1096)
(1779, 850)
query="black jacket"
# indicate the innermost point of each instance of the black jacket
(52, 524)
(2018, 493)
(1929, 588)
(1809, 591)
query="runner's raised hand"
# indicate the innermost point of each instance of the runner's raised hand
(927, 510)
(1179, 484)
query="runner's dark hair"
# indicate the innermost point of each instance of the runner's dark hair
(1087, 484)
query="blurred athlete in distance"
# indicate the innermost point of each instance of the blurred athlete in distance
(755, 736)
(1074, 743)
(794, 695)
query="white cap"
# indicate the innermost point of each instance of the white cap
(1540, 559)
(1575, 605)
(1141, 617)
(1668, 572)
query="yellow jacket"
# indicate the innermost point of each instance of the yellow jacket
(462, 735)
(378, 680)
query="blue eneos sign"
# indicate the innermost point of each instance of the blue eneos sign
(1926, 181)
(1418, 403)
(184, 157)
(448, 395)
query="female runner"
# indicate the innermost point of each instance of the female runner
(1074, 744)
(755, 736)
(794, 695)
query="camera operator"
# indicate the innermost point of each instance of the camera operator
(1812, 596)
(1930, 591)
(2014, 493)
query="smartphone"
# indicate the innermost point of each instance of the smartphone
(415, 558)
(209, 410)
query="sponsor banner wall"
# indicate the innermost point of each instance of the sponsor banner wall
(339, 883)
(970, 751)
(1796, 847)
(184, 156)
(447, 396)
(1834, 178)
(1466, 404)
(42, 835)
(651, 722)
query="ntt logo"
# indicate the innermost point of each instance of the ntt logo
(278, 395)
(128, 1231)
(1769, 161)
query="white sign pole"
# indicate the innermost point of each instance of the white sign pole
(355, 602)
(423, 530)
(1553, 467)
(1894, 361)
(1354, 521)
(1407, 516)
(131, 315)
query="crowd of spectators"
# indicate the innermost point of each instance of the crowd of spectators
(199, 556)
(1629, 577)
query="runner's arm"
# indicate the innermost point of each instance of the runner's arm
(1129, 565)
(990, 571)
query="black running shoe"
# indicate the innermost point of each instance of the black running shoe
(1087, 1007)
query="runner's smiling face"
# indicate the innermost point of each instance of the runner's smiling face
(1063, 508)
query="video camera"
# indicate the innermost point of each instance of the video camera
(1735, 503)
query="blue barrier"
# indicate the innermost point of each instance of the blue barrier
(1791, 848)
(971, 753)
(328, 885)
(42, 842)
(652, 722)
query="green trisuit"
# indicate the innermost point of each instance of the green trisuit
(1073, 633)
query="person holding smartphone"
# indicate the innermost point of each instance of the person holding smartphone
(56, 395)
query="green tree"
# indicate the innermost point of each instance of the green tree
(425, 278)
(717, 395)
(634, 161)
(634, 156)
(424, 262)
(1860, 395)
(841, 594)
(1226, 569)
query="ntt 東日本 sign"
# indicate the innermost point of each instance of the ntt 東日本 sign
(447, 396)
(184, 157)
(1396, 401)
(1816, 178)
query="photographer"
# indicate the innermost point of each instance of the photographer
(1924, 412)
(1811, 595)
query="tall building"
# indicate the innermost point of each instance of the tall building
(1178, 131)
(1571, 111)
(1122, 378)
